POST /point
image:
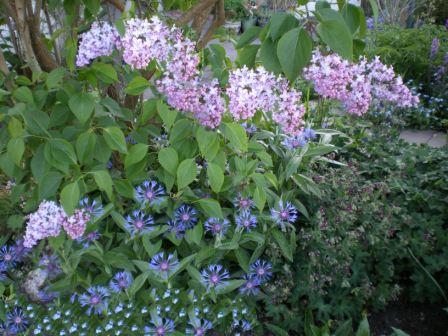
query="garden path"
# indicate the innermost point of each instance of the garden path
(429, 137)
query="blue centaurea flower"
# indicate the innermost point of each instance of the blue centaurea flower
(309, 134)
(121, 281)
(243, 203)
(93, 208)
(7, 330)
(20, 250)
(214, 276)
(8, 256)
(251, 286)
(149, 192)
(138, 223)
(294, 142)
(51, 263)
(246, 220)
(284, 213)
(186, 215)
(216, 226)
(177, 228)
(160, 327)
(163, 264)
(17, 320)
(199, 327)
(89, 238)
(261, 269)
(95, 299)
(3, 270)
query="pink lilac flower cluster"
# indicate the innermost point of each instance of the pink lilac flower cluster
(76, 224)
(100, 40)
(386, 86)
(252, 90)
(144, 41)
(48, 220)
(356, 86)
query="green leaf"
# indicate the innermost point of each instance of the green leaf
(243, 259)
(236, 135)
(208, 143)
(105, 72)
(215, 176)
(15, 128)
(230, 286)
(276, 330)
(54, 78)
(150, 248)
(375, 10)
(182, 265)
(70, 197)
(259, 198)
(282, 23)
(149, 110)
(93, 6)
(352, 17)
(15, 150)
(268, 56)
(363, 329)
(169, 159)
(138, 283)
(195, 235)
(181, 130)
(137, 86)
(82, 105)
(247, 55)
(136, 154)
(23, 94)
(49, 185)
(283, 243)
(186, 173)
(344, 328)
(398, 332)
(85, 146)
(294, 52)
(337, 36)
(168, 116)
(248, 37)
(104, 181)
(115, 139)
(211, 207)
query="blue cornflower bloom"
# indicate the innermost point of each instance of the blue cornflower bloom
(214, 276)
(20, 250)
(294, 142)
(251, 286)
(138, 223)
(284, 213)
(8, 256)
(121, 281)
(198, 327)
(309, 134)
(149, 192)
(216, 226)
(163, 265)
(88, 238)
(3, 269)
(177, 228)
(243, 203)
(261, 269)
(250, 128)
(160, 327)
(7, 330)
(246, 220)
(17, 320)
(95, 299)
(52, 264)
(186, 215)
(93, 208)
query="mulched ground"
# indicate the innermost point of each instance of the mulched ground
(413, 318)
